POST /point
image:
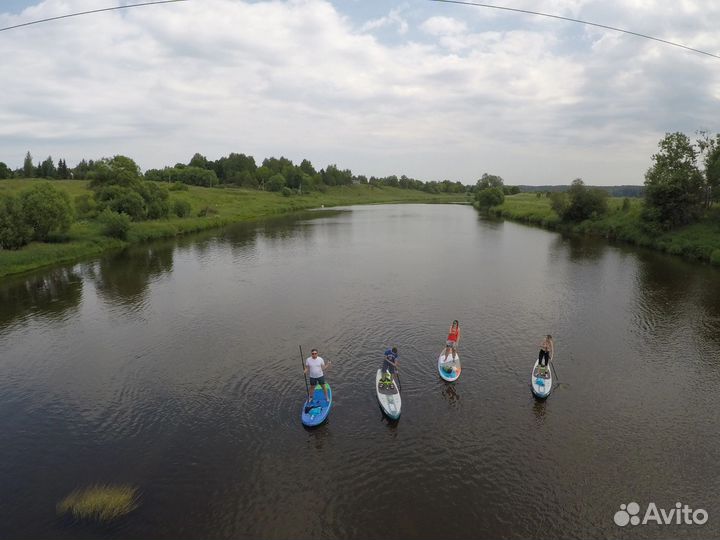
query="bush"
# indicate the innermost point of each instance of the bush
(178, 186)
(115, 225)
(489, 197)
(275, 183)
(47, 209)
(122, 200)
(156, 200)
(181, 208)
(195, 176)
(207, 211)
(14, 231)
(286, 191)
(559, 202)
(85, 206)
(715, 257)
(584, 202)
(626, 204)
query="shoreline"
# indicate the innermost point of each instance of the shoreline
(233, 205)
(699, 242)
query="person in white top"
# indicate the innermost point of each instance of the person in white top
(314, 367)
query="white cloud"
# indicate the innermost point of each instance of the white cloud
(394, 18)
(443, 26)
(532, 100)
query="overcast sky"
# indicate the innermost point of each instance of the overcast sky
(426, 89)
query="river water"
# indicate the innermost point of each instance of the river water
(174, 367)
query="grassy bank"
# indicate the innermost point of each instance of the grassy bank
(230, 205)
(700, 241)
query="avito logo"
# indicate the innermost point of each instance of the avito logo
(680, 515)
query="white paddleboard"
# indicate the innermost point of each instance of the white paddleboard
(389, 397)
(449, 369)
(541, 380)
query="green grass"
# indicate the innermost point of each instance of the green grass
(85, 238)
(529, 208)
(700, 241)
(99, 503)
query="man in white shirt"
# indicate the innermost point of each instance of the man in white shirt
(314, 367)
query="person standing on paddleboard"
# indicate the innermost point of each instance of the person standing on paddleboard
(452, 340)
(314, 367)
(391, 364)
(546, 351)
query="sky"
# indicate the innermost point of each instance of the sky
(431, 90)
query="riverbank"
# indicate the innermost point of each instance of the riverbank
(229, 205)
(700, 241)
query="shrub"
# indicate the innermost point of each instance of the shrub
(47, 209)
(275, 183)
(14, 231)
(178, 186)
(115, 225)
(559, 202)
(489, 197)
(626, 204)
(584, 202)
(181, 208)
(85, 206)
(156, 200)
(286, 191)
(715, 257)
(122, 200)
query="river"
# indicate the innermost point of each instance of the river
(174, 367)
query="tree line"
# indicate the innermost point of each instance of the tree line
(240, 170)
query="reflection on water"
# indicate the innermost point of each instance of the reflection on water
(174, 366)
(124, 277)
(51, 295)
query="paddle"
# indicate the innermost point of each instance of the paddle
(302, 361)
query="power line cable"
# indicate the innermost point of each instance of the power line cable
(89, 12)
(570, 19)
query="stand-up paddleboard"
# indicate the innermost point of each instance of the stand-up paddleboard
(388, 395)
(449, 369)
(541, 380)
(316, 412)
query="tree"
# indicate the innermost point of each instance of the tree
(674, 184)
(47, 209)
(559, 202)
(14, 231)
(119, 170)
(489, 181)
(488, 197)
(47, 168)
(28, 167)
(307, 168)
(198, 160)
(62, 170)
(584, 202)
(5, 171)
(275, 183)
(710, 152)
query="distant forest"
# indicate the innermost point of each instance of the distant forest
(273, 174)
(613, 191)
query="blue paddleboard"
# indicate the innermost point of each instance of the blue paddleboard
(317, 411)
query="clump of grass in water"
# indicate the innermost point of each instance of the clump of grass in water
(100, 503)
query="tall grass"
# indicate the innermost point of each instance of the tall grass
(100, 503)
